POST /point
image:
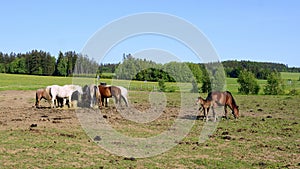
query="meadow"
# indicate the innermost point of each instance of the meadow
(31, 82)
(265, 136)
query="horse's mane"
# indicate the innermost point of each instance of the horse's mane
(233, 101)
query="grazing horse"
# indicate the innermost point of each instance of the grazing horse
(217, 98)
(107, 91)
(42, 94)
(65, 92)
(91, 95)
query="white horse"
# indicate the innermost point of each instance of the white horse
(124, 94)
(65, 92)
(92, 94)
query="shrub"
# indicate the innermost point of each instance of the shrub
(274, 85)
(248, 83)
(161, 85)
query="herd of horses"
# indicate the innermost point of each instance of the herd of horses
(87, 96)
(93, 95)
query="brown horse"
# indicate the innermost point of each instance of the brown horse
(205, 105)
(42, 94)
(107, 91)
(217, 98)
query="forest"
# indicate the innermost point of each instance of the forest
(38, 62)
(43, 63)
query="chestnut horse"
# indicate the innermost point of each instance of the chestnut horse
(217, 98)
(107, 91)
(42, 94)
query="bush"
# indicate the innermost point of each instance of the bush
(248, 83)
(161, 85)
(274, 85)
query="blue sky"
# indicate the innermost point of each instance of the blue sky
(258, 30)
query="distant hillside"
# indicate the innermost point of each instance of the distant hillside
(260, 69)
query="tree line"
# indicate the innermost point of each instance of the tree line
(212, 76)
(261, 70)
(43, 63)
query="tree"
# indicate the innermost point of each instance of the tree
(61, 65)
(248, 83)
(196, 70)
(206, 83)
(274, 85)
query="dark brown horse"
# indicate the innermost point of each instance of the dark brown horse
(42, 94)
(217, 98)
(107, 91)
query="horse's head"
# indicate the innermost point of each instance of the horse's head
(79, 89)
(236, 112)
(200, 100)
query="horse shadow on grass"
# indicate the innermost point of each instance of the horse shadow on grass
(199, 117)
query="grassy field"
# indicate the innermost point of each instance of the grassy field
(30, 82)
(266, 136)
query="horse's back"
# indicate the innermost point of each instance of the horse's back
(105, 91)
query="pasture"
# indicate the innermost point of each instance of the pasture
(265, 136)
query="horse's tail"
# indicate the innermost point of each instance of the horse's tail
(49, 92)
(125, 100)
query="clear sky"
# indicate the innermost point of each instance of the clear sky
(257, 30)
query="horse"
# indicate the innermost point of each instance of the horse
(124, 94)
(205, 105)
(91, 95)
(218, 98)
(42, 94)
(65, 92)
(107, 91)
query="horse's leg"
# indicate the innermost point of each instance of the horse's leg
(37, 101)
(69, 101)
(214, 114)
(226, 113)
(205, 112)
(53, 101)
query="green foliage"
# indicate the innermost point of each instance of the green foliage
(18, 66)
(196, 70)
(248, 83)
(42, 63)
(275, 84)
(206, 83)
(213, 78)
(131, 66)
(261, 70)
(153, 74)
(179, 71)
(161, 85)
(61, 65)
(195, 88)
(140, 69)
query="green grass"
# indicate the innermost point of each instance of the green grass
(266, 136)
(31, 82)
(289, 75)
